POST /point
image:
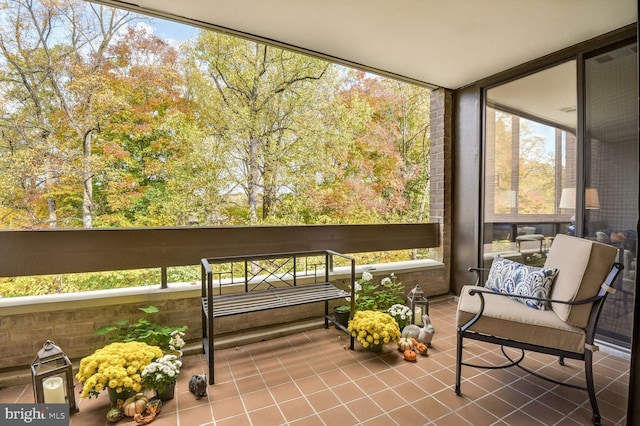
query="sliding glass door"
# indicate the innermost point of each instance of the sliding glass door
(530, 157)
(561, 156)
(611, 173)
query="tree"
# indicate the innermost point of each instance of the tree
(263, 96)
(52, 58)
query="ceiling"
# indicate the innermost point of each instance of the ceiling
(440, 43)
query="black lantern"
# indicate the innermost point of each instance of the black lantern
(52, 376)
(418, 304)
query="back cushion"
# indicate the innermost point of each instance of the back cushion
(582, 265)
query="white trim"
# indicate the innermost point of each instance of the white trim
(56, 302)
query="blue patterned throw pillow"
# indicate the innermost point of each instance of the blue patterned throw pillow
(507, 276)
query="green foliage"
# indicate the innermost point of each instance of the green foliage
(142, 330)
(372, 296)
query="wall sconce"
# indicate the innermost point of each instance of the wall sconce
(418, 304)
(52, 377)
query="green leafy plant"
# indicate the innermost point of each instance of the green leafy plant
(143, 330)
(371, 296)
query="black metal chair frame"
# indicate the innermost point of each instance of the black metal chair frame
(586, 356)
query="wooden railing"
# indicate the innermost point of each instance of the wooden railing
(61, 251)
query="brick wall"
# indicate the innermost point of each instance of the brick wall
(441, 170)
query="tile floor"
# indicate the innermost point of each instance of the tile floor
(312, 379)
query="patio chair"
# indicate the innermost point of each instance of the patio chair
(567, 295)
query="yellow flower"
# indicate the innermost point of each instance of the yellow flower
(117, 366)
(374, 327)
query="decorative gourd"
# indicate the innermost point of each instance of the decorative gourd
(420, 347)
(150, 413)
(135, 405)
(404, 344)
(114, 415)
(410, 355)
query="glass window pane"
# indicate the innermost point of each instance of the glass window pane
(611, 150)
(530, 158)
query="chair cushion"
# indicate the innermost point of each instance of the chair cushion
(583, 266)
(504, 317)
(507, 276)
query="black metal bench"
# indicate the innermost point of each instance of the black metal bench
(247, 284)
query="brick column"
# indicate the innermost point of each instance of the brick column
(441, 171)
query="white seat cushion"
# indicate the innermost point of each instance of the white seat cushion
(504, 317)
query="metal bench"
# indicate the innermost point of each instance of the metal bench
(247, 284)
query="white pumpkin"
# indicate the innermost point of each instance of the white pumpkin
(135, 405)
(405, 344)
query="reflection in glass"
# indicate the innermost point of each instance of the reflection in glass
(530, 157)
(611, 150)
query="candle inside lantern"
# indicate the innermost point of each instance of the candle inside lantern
(54, 390)
(417, 315)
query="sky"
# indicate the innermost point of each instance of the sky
(173, 30)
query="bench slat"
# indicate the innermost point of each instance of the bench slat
(239, 303)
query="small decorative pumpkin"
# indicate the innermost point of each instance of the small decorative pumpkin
(404, 344)
(114, 415)
(135, 405)
(420, 347)
(410, 355)
(151, 411)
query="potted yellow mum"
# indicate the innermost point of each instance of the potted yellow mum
(373, 329)
(116, 367)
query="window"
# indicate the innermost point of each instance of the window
(530, 157)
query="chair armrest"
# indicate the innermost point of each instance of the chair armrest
(474, 291)
(480, 291)
(478, 272)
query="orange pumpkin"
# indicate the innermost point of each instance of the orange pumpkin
(410, 355)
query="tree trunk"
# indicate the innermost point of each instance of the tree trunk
(87, 183)
(252, 183)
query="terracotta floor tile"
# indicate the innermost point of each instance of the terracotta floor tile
(258, 399)
(285, 392)
(363, 409)
(476, 415)
(224, 408)
(267, 416)
(323, 400)
(296, 409)
(338, 415)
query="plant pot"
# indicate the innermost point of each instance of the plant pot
(168, 392)
(374, 348)
(115, 396)
(341, 316)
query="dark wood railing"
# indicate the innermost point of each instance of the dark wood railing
(60, 251)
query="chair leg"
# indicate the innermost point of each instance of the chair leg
(458, 362)
(588, 369)
(561, 360)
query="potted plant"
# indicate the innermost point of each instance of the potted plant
(161, 376)
(401, 313)
(117, 367)
(341, 314)
(373, 296)
(373, 329)
(143, 330)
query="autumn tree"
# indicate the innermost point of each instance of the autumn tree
(53, 54)
(259, 101)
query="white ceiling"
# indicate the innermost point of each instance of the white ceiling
(446, 43)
